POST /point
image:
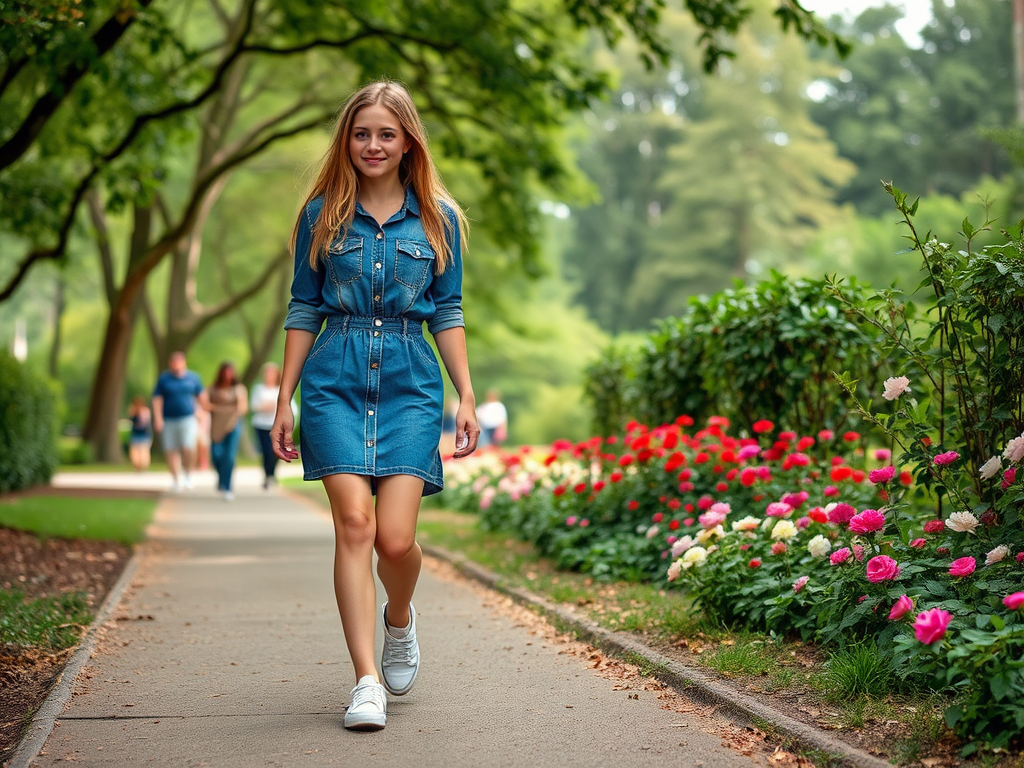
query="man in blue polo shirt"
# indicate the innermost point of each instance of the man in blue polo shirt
(177, 394)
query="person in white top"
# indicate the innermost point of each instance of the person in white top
(263, 405)
(493, 419)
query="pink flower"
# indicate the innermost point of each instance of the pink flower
(858, 552)
(868, 521)
(1009, 477)
(883, 454)
(711, 519)
(830, 490)
(963, 566)
(882, 475)
(882, 568)
(841, 513)
(894, 387)
(778, 509)
(931, 625)
(778, 548)
(919, 543)
(571, 520)
(839, 556)
(584, 523)
(825, 435)
(799, 583)
(1014, 450)
(1014, 601)
(945, 458)
(795, 500)
(901, 608)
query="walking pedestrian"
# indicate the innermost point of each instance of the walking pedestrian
(263, 404)
(177, 396)
(377, 253)
(141, 438)
(228, 404)
(493, 418)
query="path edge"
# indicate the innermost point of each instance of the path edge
(59, 698)
(689, 682)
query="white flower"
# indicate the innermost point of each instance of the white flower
(962, 522)
(682, 545)
(748, 523)
(694, 556)
(997, 554)
(652, 532)
(674, 570)
(784, 529)
(895, 386)
(819, 546)
(990, 468)
(1014, 450)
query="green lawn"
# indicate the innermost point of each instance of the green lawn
(122, 520)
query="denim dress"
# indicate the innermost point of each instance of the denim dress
(372, 394)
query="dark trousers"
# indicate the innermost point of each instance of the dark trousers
(222, 456)
(267, 449)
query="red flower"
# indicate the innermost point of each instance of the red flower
(906, 478)
(599, 485)
(673, 525)
(701, 458)
(671, 440)
(550, 459)
(825, 435)
(804, 443)
(818, 515)
(755, 562)
(559, 490)
(748, 477)
(721, 487)
(633, 505)
(657, 517)
(859, 475)
(851, 437)
(934, 526)
(674, 504)
(788, 437)
(838, 474)
(762, 426)
(579, 487)
(625, 459)
(615, 476)
(684, 421)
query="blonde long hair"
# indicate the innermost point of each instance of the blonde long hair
(338, 184)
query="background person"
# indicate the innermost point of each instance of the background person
(377, 254)
(176, 398)
(493, 418)
(263, 404)
(228, 403)
(141, 437)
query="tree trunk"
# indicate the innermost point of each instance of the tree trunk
(107, 393)
(59, 304)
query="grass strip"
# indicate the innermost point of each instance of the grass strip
(48, 623)
(122, 520)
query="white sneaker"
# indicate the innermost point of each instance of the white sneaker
(186, 482)
(175, 486)
(400, 659)
(229, 496)
(368, 706)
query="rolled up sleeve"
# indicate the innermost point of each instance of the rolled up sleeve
(306, 308)
(447, 288)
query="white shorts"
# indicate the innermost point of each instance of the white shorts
(180, 434)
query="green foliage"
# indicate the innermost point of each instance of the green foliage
(857, 670)
(48, 623)
(29, 418)
(771, 348)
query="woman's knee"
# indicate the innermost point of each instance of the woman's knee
(394, 548)
(354, 526)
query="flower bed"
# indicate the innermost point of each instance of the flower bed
(812, 536)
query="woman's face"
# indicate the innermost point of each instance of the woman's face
(377, 142)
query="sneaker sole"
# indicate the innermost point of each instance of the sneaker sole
(364, 723)
(396, 691)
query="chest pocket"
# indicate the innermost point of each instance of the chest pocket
(414, 261)
(345, 260)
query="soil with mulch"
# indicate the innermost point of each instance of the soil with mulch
(46, 568)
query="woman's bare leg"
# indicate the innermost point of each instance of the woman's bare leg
(398, 555)
(354, 532)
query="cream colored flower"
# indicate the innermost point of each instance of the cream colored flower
(784, 529)
(997, 554)
(962, 522)
(674, 570)
(819, 546)
(682, 545)
(1014, 450)
(990, 468)
(694, 556)
(748, 523)
(895, 386)
(706, 534)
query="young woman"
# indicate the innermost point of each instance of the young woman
(228, 402)
(141, 438)
(263, 405)
(377, 253)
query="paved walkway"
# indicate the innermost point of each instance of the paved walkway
(227, 651)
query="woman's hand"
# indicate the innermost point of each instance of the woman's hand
(467, 431)
(281, 433)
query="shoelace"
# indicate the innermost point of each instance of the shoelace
(367, 694)
(400, 650)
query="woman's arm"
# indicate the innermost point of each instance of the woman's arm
(297, 344)
(451, 343)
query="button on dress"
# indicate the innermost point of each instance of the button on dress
(372, 394)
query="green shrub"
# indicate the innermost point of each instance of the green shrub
(28, 426)
(770, 349)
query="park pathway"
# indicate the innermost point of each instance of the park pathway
(227, 650)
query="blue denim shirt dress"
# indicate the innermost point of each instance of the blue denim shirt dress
(372, 394)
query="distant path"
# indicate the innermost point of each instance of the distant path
(227, 651)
